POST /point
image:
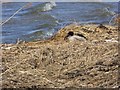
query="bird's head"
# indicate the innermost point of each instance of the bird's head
(70, 33)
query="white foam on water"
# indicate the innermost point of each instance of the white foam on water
(49, 6)
(53, 3)
(49, 33)
(30, 32)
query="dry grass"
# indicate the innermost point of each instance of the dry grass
(58, 63)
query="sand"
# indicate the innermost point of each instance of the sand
(59, 63)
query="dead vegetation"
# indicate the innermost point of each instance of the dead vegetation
(56, 63)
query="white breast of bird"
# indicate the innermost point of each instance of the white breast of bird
(76, 38)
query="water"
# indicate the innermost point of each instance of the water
(41, 20)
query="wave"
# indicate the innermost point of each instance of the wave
(49, 6)
(107, 10)
(38, 35)
(42, 7)
(104, 12)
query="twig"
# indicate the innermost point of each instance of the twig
(14, 14)
(110, 22)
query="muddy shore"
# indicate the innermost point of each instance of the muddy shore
(59, 63)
